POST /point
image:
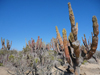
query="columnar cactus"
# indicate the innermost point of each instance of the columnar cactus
(9, 45)
(3, 43)
(85, 42)
(33, 44)
(40, 45)
(73, 51)
(37, 46)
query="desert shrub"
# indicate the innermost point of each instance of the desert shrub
(13, 51)
(85, 61)
(20, 54)
(26, 49)
(1, 64)
(3, 52)
(11, 58)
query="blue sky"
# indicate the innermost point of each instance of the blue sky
(20, 19)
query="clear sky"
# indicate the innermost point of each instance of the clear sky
(20, 19)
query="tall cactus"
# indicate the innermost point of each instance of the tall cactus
(33, 44)
(73, 51)
(9, 45)
(3, 43)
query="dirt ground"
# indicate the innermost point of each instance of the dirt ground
(87, 69)
(90, 69)
(3, 71)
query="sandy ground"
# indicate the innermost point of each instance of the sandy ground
(3, 71)
(88, 69)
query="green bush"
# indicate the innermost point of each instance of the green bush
(26, 49)
(85, 61)
(1, 64)
(11, 58)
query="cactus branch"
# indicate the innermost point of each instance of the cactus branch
(59, 38)
(94, 38)
(74, 29)
(65, 45)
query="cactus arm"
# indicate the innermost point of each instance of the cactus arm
(58, 48)
(74, 29)
(71, 37)
(59, 38)
(38, 42)
(33, 44)
(94, 38)
(4, 43)
(85, 43)
(71, 15)
(77, 27)
(65, 46)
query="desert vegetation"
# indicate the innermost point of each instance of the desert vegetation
(38, 58)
